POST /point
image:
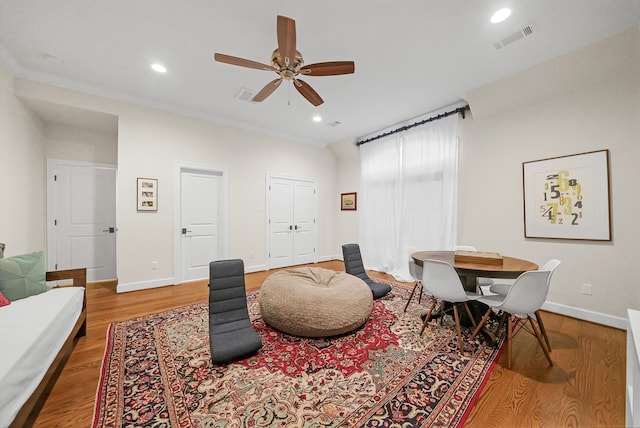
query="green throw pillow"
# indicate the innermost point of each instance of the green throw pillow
(22, 276)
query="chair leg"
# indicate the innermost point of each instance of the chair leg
(420, 295)
(509, 337)
(481, 323)
(543, 330)
(411, 296)
(428, 317)
(473, 320)
(457, 318)
(540, 340)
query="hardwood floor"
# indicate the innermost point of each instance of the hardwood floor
(584, 388)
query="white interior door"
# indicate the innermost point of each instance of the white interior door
(291, 222)
(199, 220)
(82, 218)
(280, 223)
(304, 222)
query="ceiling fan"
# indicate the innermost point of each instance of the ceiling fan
(287, 62)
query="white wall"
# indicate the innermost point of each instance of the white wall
(149, 144)
(587, 100)
(348, 180)
(80, 144)
(22, 174)
(25, 143)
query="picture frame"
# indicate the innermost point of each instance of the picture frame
(349, 201)
(147, 199)
(568, 197)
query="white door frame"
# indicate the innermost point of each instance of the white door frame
(223, 199)
(270, 176)
(52, 208)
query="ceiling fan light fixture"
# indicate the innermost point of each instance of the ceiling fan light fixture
(159, 68)
(500, 15)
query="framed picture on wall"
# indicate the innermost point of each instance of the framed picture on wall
(348, 201)
(147, 194)
(567, 197)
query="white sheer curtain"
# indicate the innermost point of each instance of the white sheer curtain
(408, 195)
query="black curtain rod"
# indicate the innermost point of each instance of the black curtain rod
(459, 110)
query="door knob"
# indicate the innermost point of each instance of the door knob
(110, 230)
(184, 231)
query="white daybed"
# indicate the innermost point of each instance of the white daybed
(38, 335)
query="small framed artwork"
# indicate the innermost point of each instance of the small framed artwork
(567, 197)
(147, 194)
(348, 201)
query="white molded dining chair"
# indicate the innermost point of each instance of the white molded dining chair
(482, 282)
(440, 280)
(502, 289)
(416, 274)
(522, 301)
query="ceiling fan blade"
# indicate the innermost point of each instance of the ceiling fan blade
(286, 40)
(234, 60)
(267, 90)
(332, 68)
(308, 92)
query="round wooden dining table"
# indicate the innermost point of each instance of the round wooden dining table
(470, 271)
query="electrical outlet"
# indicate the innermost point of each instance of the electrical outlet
(586, 289)
(154, 265)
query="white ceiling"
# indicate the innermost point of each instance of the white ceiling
(412, 56)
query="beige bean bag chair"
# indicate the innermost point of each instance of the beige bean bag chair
(315, 302)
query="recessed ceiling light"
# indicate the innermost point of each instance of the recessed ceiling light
(317, 118)
(500, 15)
(159, 68)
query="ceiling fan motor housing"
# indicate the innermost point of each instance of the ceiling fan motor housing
(286, 71)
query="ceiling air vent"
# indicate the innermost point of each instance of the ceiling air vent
(527, 30)
(245, 94)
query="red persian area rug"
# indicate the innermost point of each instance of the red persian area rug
(157, 371)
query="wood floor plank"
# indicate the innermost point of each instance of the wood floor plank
(585, 387)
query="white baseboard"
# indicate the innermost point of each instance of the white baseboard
(163, 282)
(586, 315)
(255, 268)
(143, 285)
(328, 258)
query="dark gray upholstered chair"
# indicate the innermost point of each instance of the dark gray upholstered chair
(354, 266)
(231, 334)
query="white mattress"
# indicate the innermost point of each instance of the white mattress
(32, 331)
